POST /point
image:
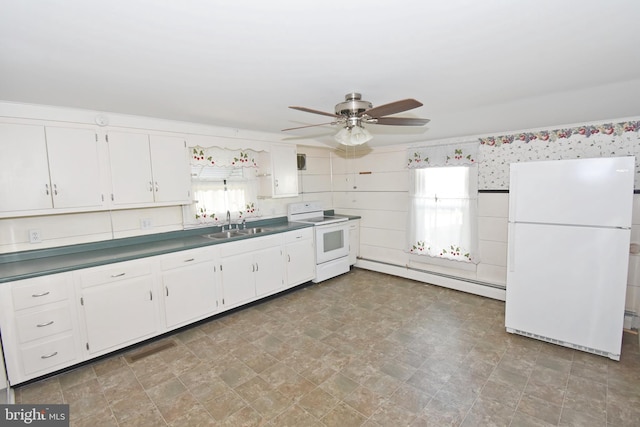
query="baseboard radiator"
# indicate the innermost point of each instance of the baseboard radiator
(489, 290)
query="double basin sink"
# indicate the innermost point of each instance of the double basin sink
(228, 234)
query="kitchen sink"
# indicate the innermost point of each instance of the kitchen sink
(228, 234)
(225, 234)
(255, 230)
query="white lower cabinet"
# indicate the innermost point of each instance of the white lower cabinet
(189, 286)
(251, 269)
(269, 275)
(118, 305)
(354, 240)
(55, 321)
(300, 256)
(38, 321)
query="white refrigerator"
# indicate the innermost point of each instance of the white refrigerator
(568, 251)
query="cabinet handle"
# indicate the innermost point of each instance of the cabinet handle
(46, 356)
(189, 260)
(41, 294)
(166, 290)
(253, 268)
(276, 182)
(42, 325)
(118, 275)
(156, 186)
(150, 186)
(46, 189)
(257, 267)
(55, 189)
(289, 256)
(150, 296)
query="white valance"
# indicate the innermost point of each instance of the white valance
(443, 155)
(215, 156)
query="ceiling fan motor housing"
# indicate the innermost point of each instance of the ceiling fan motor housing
(353, 105)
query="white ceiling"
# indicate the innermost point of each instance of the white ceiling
(478, 67)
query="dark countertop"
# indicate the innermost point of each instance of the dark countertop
(28, 264)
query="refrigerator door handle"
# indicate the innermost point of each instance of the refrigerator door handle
(512, 247)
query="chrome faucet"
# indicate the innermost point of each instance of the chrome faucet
(228, 220)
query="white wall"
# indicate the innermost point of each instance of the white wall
(375, 185)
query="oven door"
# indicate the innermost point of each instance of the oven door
(332, 241)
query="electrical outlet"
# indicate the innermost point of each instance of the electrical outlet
(35, 236)
(145, 223)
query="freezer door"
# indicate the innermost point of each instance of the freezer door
(585, 191)
(568, 283)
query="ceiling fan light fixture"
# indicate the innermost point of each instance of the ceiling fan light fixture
(353, 135)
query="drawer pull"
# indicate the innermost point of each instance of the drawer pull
(118, 275)
(46, 356)
(42, 325)
(189, 260)
(40, 295)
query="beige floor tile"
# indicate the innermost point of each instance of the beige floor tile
(318, 402)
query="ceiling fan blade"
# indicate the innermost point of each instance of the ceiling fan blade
(309, 110)
(393, 107)
(310, 126)
(400, 121)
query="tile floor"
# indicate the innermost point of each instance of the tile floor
(363, 349)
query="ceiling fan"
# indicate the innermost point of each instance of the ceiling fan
(354, 112)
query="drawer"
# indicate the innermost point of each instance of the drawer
(185, 258)
(48, 356)
(114, 272)
(43, 323)
(297, 235)
(39, 291)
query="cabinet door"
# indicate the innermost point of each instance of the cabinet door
(130, 168)
(189, 293)
(74, 167)
(171, 175)
(269, 275)
(354, 240)
(285, 170)
(118, 313)
(301, 262)
(238, 282)
(24, 169)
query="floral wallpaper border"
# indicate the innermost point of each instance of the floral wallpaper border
(605, 140)
(553, 135)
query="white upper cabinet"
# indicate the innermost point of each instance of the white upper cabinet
(170, 166)
(279, 172)
(148, 169)
(48, 168)
(74, 167)
(24, 169)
